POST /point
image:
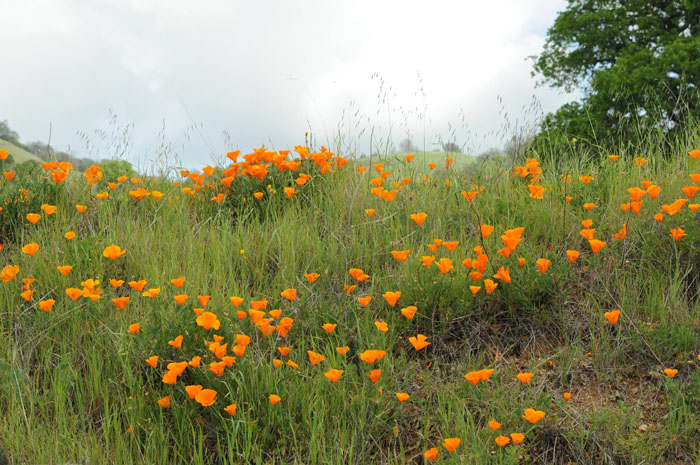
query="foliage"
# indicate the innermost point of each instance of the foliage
(637, 63)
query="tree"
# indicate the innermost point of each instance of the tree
(637, 63)
(407, 145)
(451, 147)
(6, 133)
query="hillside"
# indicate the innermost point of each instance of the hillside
(291, 311)
(20, 155)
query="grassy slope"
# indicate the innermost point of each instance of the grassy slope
(75, 387)
(20, 155)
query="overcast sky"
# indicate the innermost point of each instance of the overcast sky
(266, 72)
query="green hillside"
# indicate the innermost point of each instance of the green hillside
(20, 155)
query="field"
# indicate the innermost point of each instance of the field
(307, 308)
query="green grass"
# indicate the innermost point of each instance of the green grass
(19, 155)
(75, 388)
(421, 161)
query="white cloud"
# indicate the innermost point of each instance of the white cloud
(264, 71)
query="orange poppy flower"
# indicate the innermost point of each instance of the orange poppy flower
(329, 327)
(374, 375)
(694, 153)
(533, 416)
(333, 375)
(364, 301)
(315, 358)
(289, 294)
(567, 396)
(427, 260)
(113, 252)
(70, 235)
(33, 217)
(451, 444)
(469, 195)
(116, 282)
(612, 316)
(596, 245)
(677, 234)
(164, 402)
(152, 292)
(121, 302)
(9, 273)
(231, 409)
(274, 399)
(572, 255)
(494, 425)
(490, 286)
(177, 342)
(30, 249)
(670, 372)
(47, 304)
(503, 274)
(444, 265)
(258, 304)
(206, 397)
(217, 368)
(64, 269)
(342, 350)
(502, 441)
(381, 326)
(486, 230)
(402, 396)
(208, 320)
(524, 377)
(431, 454)
(400, 255)
(542, 265)
(585, 179)
(193, 390)
(419, 218)
(312, 277)
(392, 297)
(419, 341)
(152, 361)
(236, 301)
(409, 311)
(450, 245)
(74, 293)
(474, 289)
(178, 282)
(134, 328)
(371, 356)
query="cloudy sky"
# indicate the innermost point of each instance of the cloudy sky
(193, 79)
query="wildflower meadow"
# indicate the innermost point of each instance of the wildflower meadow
(305, 306)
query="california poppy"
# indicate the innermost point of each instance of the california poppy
(206, 397)
(64, 269)
(431, 454)
(31, 249)
(451, 444)
(47, 304)
(612, 316)
(164, 402)
(113, 252)
(134, 328)
(177, 342)
(524, 377)
(419, 218)
(231, 409)
(374, 375)
(670, 372)
(533, 416)
(342, 350)
(392, 297)
(329, 327)
(274, 398)
(494, 425)
(333, 375)
(419, 341)
(193, 390)
(502, 441)
(315, 358)
(409, 311)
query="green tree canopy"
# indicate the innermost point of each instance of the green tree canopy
(635, 61)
